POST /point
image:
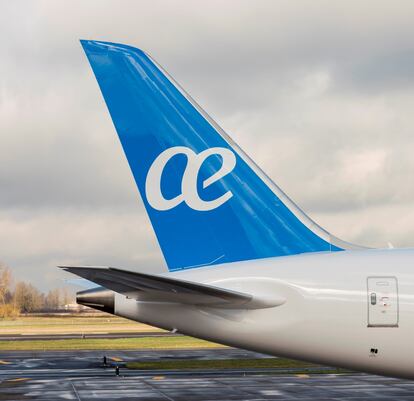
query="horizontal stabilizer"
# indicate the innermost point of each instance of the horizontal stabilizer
(155, 288)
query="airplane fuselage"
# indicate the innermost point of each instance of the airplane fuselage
(351, 309)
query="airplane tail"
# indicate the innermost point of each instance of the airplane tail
(207, 200)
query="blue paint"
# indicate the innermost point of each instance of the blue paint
(151, 115)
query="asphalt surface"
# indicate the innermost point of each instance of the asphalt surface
(44, 364)
(61, 375)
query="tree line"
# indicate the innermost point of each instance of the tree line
(22, 297)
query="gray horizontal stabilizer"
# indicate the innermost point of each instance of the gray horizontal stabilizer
(157, 288)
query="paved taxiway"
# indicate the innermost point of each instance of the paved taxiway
(81, 376)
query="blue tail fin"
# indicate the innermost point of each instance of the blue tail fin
(207, 201)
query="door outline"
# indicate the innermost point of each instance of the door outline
(369, 300)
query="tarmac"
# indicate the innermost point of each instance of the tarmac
(80, 375)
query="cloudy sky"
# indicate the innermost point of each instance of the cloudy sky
(320, 94)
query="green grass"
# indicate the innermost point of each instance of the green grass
(46, 319)
(66, 324)
(299, 367)
(262, 363)
(181, 342)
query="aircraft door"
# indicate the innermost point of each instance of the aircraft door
(382, 302)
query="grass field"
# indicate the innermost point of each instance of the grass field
(262, 363)
(181, 342)
(300, 367)
(69, 324)
(84, 324)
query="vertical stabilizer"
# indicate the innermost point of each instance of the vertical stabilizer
(207, 201)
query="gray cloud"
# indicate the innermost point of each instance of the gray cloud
(319, 93)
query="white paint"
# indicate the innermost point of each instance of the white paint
(189, 193)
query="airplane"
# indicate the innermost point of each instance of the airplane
(246, 266)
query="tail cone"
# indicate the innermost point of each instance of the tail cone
(98, 298)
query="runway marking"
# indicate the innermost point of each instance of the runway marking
(160, 392)
(271, 392)
(75, 391)
(18, 379)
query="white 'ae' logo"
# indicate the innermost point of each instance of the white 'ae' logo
(189, 193)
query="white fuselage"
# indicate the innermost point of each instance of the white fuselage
(339, 308)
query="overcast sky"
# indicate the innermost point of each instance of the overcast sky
(319, 93)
